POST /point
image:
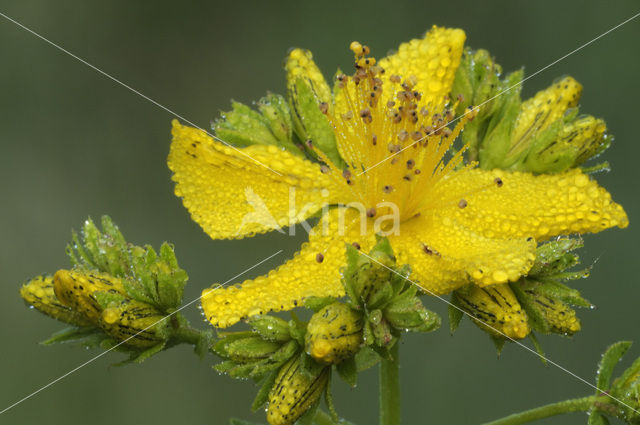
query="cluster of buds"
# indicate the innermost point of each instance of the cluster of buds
(115, 294)
(537, 302)
(543, 134)
(293, 360)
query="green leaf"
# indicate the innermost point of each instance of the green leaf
(498, 342)
(609, 360)
(455, 316)
(348, 371)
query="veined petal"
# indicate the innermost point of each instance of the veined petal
(231, 193)
(432, 59)
(501, 204)
(444, 254)
(314, 271)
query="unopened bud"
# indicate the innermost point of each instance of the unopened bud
(495, 310)
(334, 334)
(38, 293)
(295, 391)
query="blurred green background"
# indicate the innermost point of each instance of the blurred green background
(75, 144)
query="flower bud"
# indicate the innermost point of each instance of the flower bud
(135, 323)
(295, 391)
(270, 328)
(76, 289)
(38, 293)
(334, 334)
(495, 309)
(559, 317)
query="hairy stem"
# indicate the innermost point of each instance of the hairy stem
(568, 406)
(390, 388)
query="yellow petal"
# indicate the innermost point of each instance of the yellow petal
(500, 204)
(444, 254)
(231, 193)
(538, 112)
(432, 59)
(300, 64)
(314, 271)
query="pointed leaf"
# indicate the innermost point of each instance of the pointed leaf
(263, 393)
(348, 371)
(609, 360)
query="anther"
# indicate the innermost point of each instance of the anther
(416, 135)
(346, 173)
(395, 79)
(387, 189)
(356, 245)
(391, 104)
(371, 212)
(417, 171)
(403, 135)
(319, 257)
(393, 148)
(462, 203)
(324, 169)
(374, 140)
(324, 107)
(498, 181)
(347, 115)
(410, 164)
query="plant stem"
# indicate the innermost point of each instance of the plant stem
(559, 408)
(390, 388)
(186, 335)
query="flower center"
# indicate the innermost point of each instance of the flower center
(393, 141)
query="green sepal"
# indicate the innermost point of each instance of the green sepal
(89, 337)
(406, 312)
(498, 342)
(537, 320)
(275, 109)
(250, 348)
(381, 297)
(537, 347)
(270, 328)
(263, 393)
(309, 121)
(318, 303)
(455, 316)
(553, 257)
(328, 398)
(348, 371)
(297, 329)
(540, 156)
(381, 329)
(220, 347)
(308, 366)
(106, 251)
(557, 290)
(366, 358)
(495, 149)
(144, 355)
(477, 80)
(106, 299)
(609, 360)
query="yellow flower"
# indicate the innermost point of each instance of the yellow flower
(451, 222)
